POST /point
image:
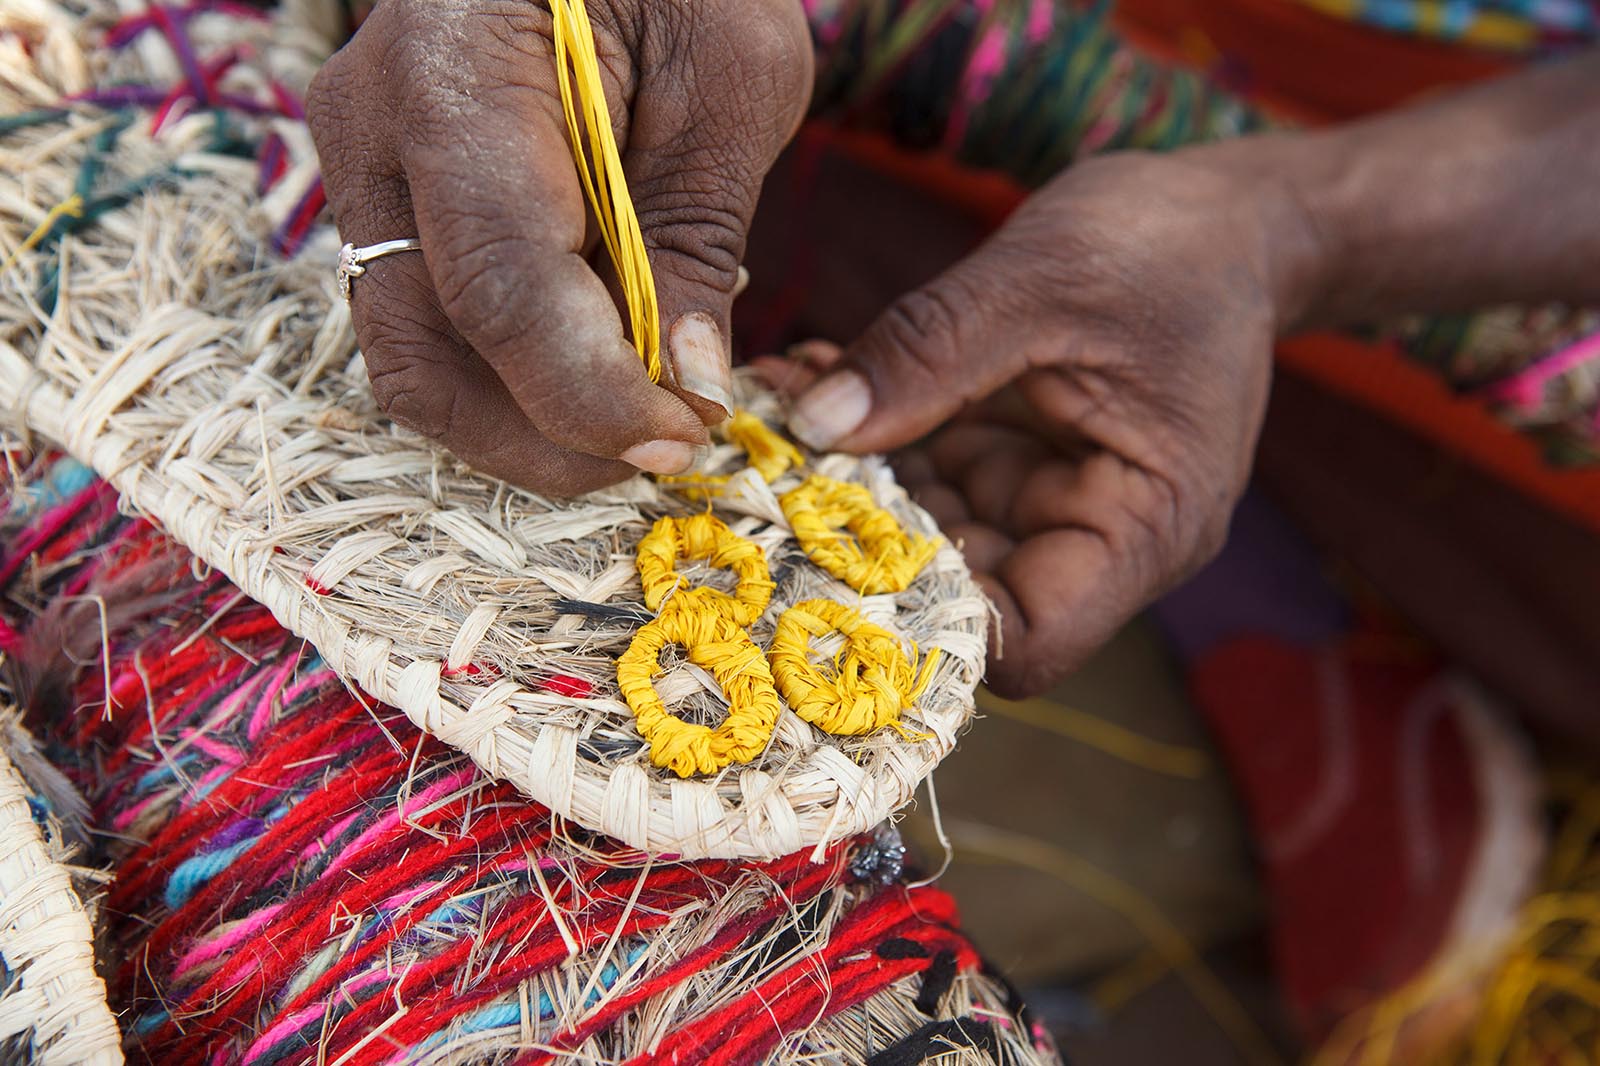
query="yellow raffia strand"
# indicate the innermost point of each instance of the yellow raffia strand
(874, 680)
(770, 452)
(1534, 998)
(707, 537)
(717, 644)
(583, 96)
(886, 559)
(72, 205)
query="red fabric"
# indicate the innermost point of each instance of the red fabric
(1360, 788)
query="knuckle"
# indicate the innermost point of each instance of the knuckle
(918, 332)
(410, 381)
(478, 294)
(415, 398)
(327, 97)
(704, 241)
(775, 42)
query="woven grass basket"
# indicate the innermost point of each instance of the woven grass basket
(53, 1008)
(162, 340)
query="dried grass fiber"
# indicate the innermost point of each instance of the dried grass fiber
(218, 387)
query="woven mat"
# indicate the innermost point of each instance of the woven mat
(52, 1002)
(164, 342)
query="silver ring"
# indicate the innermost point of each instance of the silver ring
(351, 259)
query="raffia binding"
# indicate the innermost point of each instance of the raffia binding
(52, 1002)
(217, 386)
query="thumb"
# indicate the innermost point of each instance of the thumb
(707, 126)
(955, 340)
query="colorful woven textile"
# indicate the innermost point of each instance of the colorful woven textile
(171, 318)
(1517, 26)
(302, 876)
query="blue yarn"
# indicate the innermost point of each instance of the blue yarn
(66, 478)
(166, 770)
(192, 875)
(149, 1023)
(505, 1015)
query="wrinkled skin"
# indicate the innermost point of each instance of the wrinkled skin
(1077, 402)
(443, 119)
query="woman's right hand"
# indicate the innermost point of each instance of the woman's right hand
(442, 119)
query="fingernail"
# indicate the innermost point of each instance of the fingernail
(662, 456)
(741, 282)
(831, 409)
(698, 359)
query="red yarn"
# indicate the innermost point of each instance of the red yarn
(566, 685)
(288, 766)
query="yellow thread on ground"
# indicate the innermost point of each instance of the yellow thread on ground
(1533, 1001)
(886, 559)
(770, 452)
(583, 97)
(707, 537)
(715, 643)
(874, 681)
(1133, 748)
(72, 205)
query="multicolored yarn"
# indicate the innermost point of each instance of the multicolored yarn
(1515, 26)
(210, 81)
(302, 876)
(1539, 369)
(1021, 86)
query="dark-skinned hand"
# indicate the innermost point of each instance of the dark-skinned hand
(1076, 402)
(442, 119)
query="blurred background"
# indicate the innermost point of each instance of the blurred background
(1333, 800)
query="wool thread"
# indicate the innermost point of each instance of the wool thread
(715, 642)
(583, 98)
(301, 876)
(873, 680)
(882, 557)
(704, 536)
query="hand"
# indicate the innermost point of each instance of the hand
(1085, 390)
(442, 119)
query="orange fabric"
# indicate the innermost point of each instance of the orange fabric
(985, 195)
(1313, 65)
(1383, 380)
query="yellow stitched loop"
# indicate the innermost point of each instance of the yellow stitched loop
(770, 453)
(874, 682)
(583, 96)
(707, 537)
(886, 559)
(717, 644)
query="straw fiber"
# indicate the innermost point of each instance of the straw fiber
(155, 331)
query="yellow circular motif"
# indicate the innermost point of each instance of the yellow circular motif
(886, 559)
(875, 680)
(704, 536)
(717, 644)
